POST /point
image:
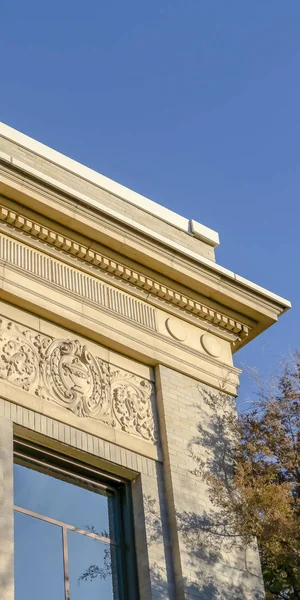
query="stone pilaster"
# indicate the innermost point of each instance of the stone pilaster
(6, 511)
(206, 565)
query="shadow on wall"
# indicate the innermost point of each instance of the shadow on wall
(222, 565)
(204, 548)
(206, 591)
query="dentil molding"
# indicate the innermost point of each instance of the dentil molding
(14, 219)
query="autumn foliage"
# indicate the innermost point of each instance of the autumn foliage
(261, 498)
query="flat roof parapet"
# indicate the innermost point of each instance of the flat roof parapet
(188, 226)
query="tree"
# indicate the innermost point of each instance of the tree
(257, 490)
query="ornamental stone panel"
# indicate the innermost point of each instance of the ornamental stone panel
(65, 372)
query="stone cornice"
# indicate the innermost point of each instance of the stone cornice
(30, 227)
(246, 302)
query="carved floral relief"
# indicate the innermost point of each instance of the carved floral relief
(67, 373)
(131, 404)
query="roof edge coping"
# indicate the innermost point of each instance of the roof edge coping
(201, 232)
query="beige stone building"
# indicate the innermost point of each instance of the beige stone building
(116, 325)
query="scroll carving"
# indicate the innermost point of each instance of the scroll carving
(19, 360)
(132, 404)
(67, 373)
(75, 379)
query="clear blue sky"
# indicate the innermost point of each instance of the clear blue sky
(192, 103)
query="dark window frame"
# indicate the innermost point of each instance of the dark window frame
(48, 461)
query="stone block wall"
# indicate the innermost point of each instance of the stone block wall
(207, 565)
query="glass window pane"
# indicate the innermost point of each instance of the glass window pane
(61, 500)
(38, 560)
(92, 568)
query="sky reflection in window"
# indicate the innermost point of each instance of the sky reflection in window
(52, 558)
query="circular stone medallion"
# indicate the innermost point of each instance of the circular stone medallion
(210, 345)
(176, 329)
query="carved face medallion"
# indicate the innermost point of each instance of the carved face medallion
(73, 375)
(76, 375)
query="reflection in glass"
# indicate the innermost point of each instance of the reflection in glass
(60, 524)
(61, 500)
(91, 563)
(38, 560)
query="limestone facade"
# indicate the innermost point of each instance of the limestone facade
(115, 322)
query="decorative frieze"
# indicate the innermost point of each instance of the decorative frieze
(67, 373)
(76, 282)
(104, 263)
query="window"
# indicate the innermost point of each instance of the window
(72, 534)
